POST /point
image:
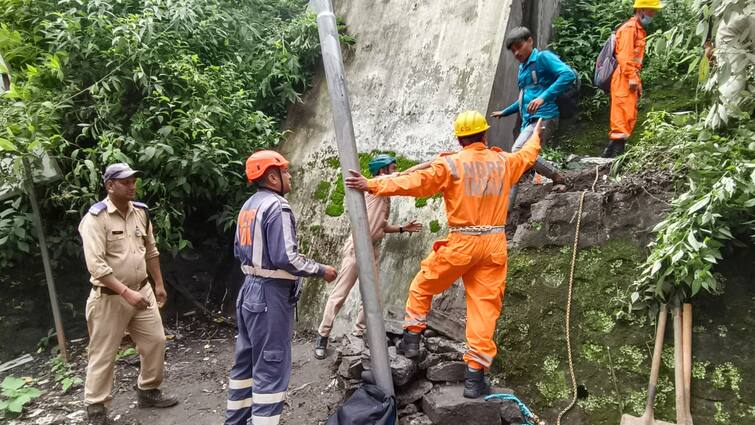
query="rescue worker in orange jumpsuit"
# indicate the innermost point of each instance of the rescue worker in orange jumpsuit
(475, 184)
(626, 87)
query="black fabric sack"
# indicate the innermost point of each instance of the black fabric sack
(369, 405)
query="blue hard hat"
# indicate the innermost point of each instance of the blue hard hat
(380, 161)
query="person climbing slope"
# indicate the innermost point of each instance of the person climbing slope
(267, 247)
(542, 78)
(626, 87)
(378, 209)
(475, 184)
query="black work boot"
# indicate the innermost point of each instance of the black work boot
(609, 149)
(409, 345)
(97, 414)
(475, 384)
(321, 347)
(154, 398)
(619, 150)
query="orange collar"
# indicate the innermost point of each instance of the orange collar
(476, 146)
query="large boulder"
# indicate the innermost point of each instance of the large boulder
(447, 372)
(415, 419)
(350, 367)
(442, 345)
(412, 392)
(433, 359)
(402, 369)
(445, 405)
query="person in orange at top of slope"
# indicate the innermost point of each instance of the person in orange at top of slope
(626, 87)
(475, 184)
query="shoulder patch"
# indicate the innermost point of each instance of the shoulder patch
(141, 205)
(98, 208)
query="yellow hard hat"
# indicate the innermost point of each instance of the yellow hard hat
(470, 122)
(647, 4)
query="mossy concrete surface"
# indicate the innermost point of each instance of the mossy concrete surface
(612, 356)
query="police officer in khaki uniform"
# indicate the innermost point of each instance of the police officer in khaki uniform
(120, 253)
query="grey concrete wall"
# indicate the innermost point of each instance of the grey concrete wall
(415, 66)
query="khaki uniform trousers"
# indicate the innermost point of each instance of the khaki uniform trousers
(347, 277)
(108, 316)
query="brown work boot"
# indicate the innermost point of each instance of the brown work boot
(154, 398)
(97, 414)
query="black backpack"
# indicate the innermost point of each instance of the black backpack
(369, 405)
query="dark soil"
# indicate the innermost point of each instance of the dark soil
(198, 358)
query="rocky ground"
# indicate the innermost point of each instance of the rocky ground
(428, 390)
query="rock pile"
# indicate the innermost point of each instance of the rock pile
(428, 389)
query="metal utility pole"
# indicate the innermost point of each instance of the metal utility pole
(347, 153)
(29, 181)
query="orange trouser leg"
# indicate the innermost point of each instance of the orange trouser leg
(623, 114)
(437, 273)
(484, 285)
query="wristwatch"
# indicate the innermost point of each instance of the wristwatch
(401, 229)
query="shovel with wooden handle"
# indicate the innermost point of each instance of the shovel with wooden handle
(687, 352)
(647, 418)
(679, 374)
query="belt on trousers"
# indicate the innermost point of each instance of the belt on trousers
(107, 291)
(275, 274)
(478, 230)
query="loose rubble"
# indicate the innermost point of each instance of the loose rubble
(428, 389)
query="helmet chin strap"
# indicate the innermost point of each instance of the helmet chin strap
(280, 182)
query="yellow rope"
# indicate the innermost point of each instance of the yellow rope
(569, 298)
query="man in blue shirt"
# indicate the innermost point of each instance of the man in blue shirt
(542, 78)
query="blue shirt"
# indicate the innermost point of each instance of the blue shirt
(544, 76)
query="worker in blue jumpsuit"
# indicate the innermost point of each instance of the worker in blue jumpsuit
(266, 245)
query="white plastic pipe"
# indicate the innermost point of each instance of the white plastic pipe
(355, 204)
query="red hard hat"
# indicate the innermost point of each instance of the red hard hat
(260, 161)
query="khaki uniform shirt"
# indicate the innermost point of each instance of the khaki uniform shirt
(117, 244)
(378, 210)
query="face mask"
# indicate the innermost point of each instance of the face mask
(645, 20)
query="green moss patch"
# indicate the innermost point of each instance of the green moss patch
(322, 191)
(335, 197)
(434, 226)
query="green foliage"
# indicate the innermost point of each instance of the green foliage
(181, 89)
(584, 26)
(734, 62)
(715, 209)
(130, 351)
(64, 374)
(555, 155)
(16, 394)
(434, 226)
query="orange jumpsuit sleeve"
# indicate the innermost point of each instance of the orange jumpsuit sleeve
(421, 183)
(522, 160)
(627, 56)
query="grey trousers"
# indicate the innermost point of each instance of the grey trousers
(541, 165)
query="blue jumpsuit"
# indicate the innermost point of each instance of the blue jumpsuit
(266, 245)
